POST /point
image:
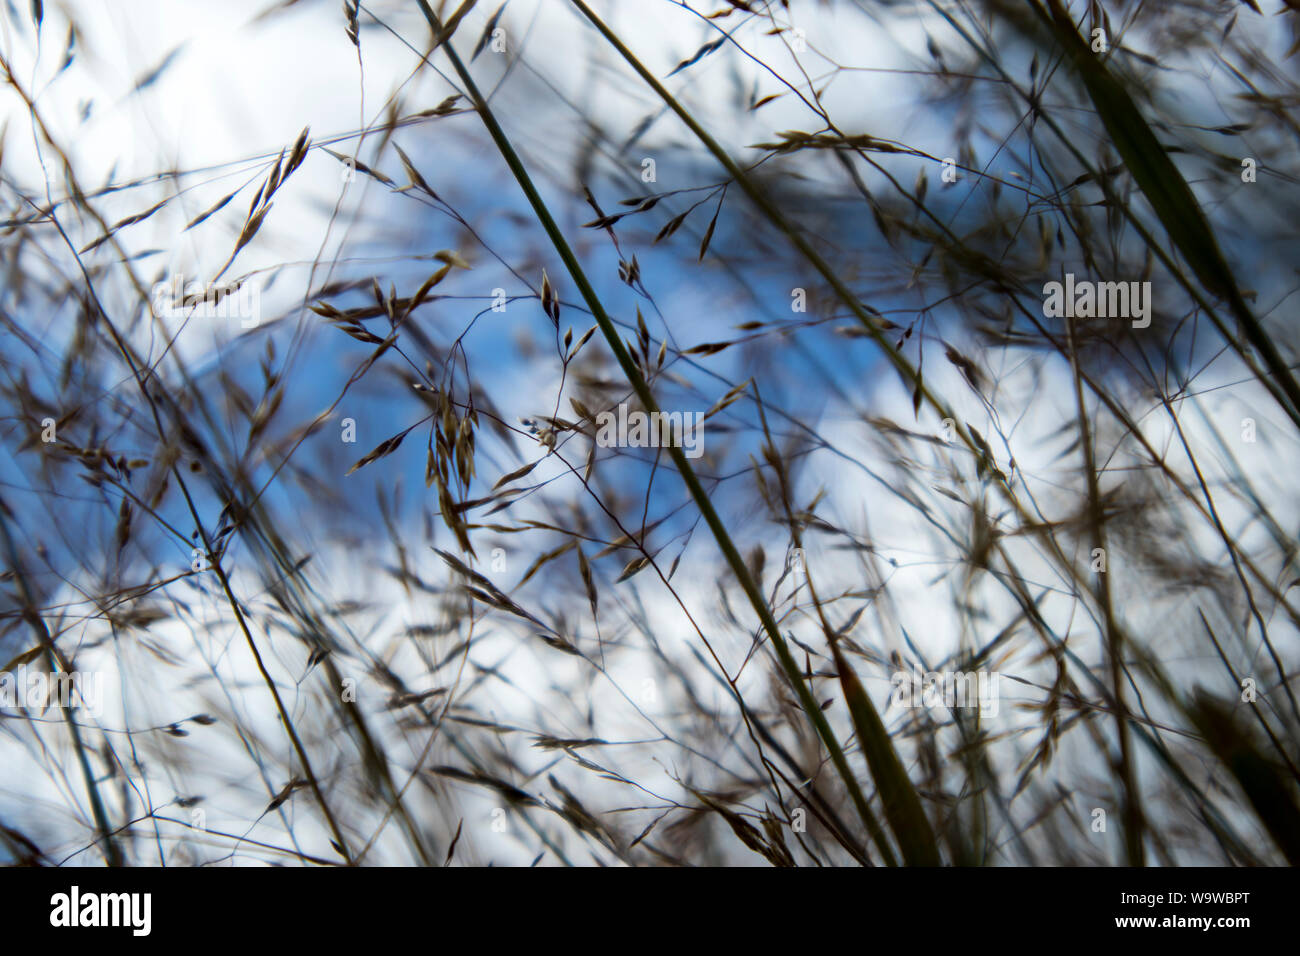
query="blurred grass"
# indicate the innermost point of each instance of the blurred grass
(982, 493)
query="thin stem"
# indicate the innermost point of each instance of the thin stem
(642, 389)
(54, 660)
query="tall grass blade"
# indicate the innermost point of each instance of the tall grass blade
(903, 810)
